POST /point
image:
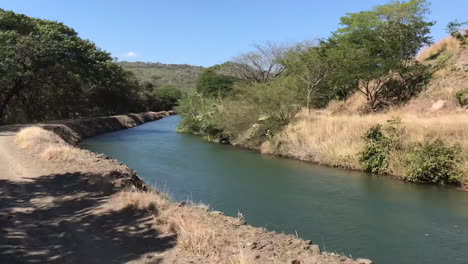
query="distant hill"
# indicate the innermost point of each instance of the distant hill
(181, 75)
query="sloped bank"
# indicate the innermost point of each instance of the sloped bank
(201, 235)
(73, 131)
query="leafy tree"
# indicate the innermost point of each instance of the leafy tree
(167, 96)
(310, 64)
(212, 83)
(379, 46)
(47, 71)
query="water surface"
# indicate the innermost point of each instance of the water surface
(343, 211)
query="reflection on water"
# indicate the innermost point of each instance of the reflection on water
(348, 212)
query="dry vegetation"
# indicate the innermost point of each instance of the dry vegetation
(449, 44)
(48, 145)
(336, 139)
(449, 60)
(205, 236)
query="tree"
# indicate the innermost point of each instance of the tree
(47, 71)
(454, 29)
(379, 46)
(212, 83)
(311, 64)
(260, 66)
(167, 96)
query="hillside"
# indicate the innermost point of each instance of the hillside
(335, 135)
(182, 76)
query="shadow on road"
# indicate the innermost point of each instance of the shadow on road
(50, 220)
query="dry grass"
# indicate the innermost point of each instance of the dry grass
(336, 139)
(449, 44)
(141, 200)
(63, 153)
(242, 257)
(194, 234)
(36, 138)
(48, 145)
(355, 104)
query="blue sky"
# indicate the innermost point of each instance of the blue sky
(206, 32)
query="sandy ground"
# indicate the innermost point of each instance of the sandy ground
(50, 214)
(15, 165)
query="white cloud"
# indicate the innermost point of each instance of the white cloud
(130, 54)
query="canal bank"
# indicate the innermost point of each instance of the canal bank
(76, 206)
(343, 211)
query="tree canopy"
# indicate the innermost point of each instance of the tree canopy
(212, 83)
(47, 71)
(378, 47)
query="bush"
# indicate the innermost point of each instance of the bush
(167, 96)
(376, 155)
(270, 105)
(435, 162)
(199, 115)
(462, 97)
(374, 158)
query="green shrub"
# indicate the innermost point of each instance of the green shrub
(199, 115)
(374, 158)
(462, 97)
(376, 154)
(435, 162)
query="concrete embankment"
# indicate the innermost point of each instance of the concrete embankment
(73, 131)
(74, 206)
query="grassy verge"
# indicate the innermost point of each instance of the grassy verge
(338, 139)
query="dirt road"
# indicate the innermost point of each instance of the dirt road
(51, 214)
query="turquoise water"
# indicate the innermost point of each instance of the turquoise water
(343, 211)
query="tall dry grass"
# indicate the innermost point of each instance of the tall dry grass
(194, 234)
(336, 139)
(355, 104)
(449, 44)
(48, 145)
(37, 139)
(142, 200)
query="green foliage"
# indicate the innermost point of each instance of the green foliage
(462, 97)
(249, 114)
(210, 83)
(379, 142)
(454, 29)
(199, 115)
(374, 158)
(435, 162)
(377, 47)
(48, 72)
(182, 76)
(167, 96)
(261, 109)
(429, 162)
(312, 66)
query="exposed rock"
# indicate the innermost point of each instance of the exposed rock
(217, 213)
(315, 249)
(364, 261)
(439, 104)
